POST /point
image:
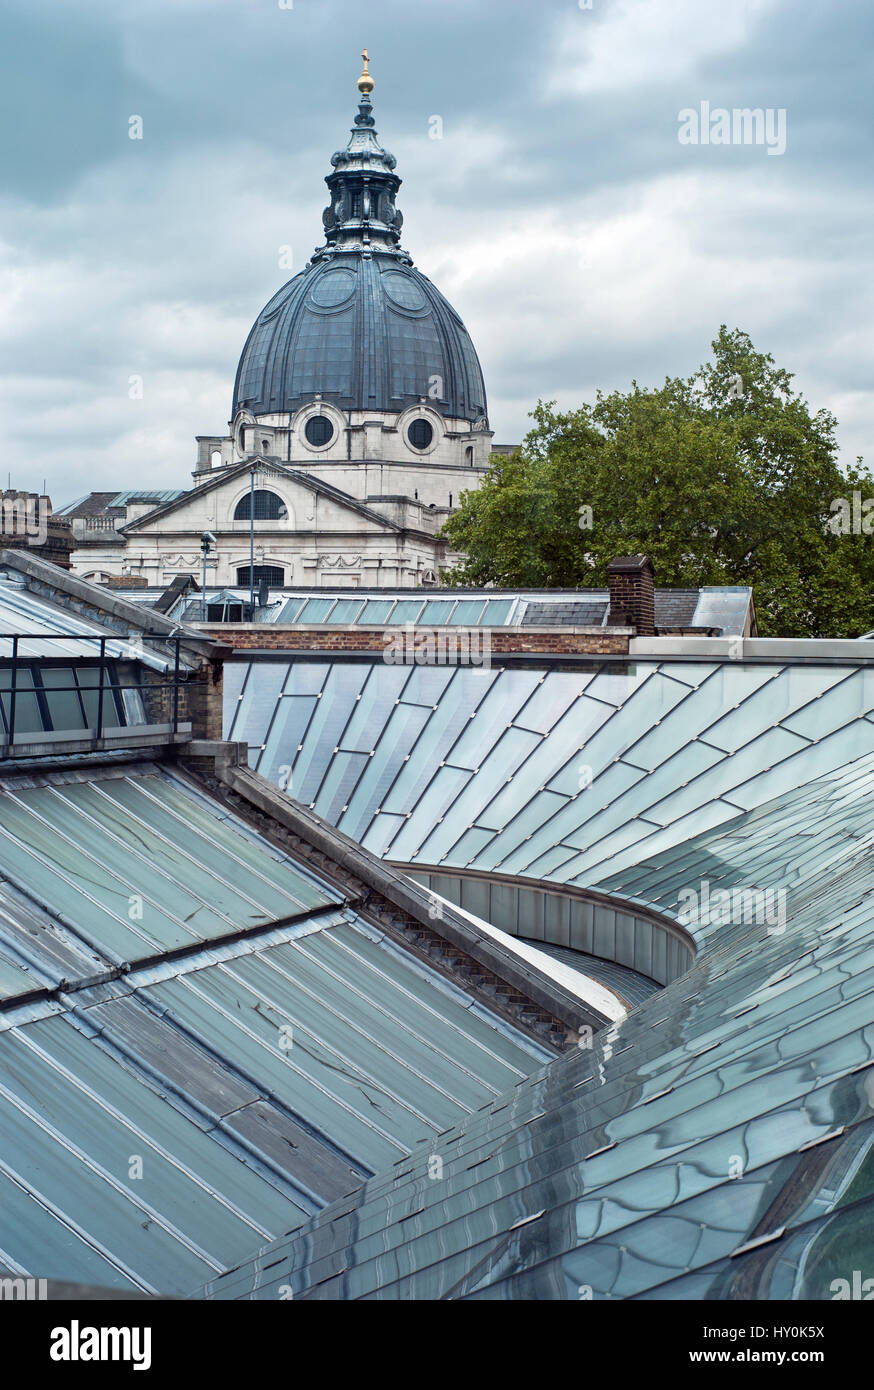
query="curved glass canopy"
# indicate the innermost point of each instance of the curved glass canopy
(717, 1143)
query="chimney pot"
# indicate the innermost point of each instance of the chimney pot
(631, 579)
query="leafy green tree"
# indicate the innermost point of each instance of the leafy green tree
(726, 477)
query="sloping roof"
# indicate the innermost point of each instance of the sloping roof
(37, 597)
(176, 590)
(723, 609)
(66, 634)
(629, 983)
(726, 611)
(177, 988)
(717, 1143)
(676, 607)
(573, 613)
(132, 496)
(94, 504)
(114, 503)
(483, 767)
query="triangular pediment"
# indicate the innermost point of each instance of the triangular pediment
(311, 504)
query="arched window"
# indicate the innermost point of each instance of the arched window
(468, 455)
(215, 458)
(273, 574)
(269, 506)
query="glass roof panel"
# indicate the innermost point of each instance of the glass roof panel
(497, 612)
(406, 610)
(467, 613)
(256, 709)
(289, 613)
(287, 732)
(345, 610)
(380, 686)
(437, 612)
(324, 731)
(376, 611)
(403, 728)
(315, 610)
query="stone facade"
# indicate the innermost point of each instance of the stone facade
(28, 523)
(323, 535)
(371, 520)
(359, 399)
(368, 454)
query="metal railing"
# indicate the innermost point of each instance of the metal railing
(108, 685)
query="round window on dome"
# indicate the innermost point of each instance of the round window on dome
(420, 434)
(319, 430)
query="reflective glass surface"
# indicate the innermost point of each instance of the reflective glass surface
(201, 1042)
(716, 1143)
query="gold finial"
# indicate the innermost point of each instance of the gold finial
(365, 81)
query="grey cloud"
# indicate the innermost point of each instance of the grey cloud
(119, 256)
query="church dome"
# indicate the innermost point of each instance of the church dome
(366, 332)
(360, 326)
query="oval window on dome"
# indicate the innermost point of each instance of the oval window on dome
(420, 434)
(403, 290)
(333, 288)
(319, 431)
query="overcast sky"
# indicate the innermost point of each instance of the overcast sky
(580, 241)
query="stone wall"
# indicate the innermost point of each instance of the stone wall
(27, 523)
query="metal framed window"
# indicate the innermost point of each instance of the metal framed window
(267, 506)
(53, 699)
(319, 430)
(420, 434)
(274, 575)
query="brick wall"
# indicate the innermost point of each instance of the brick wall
(632, 593)
(270, 637)
(200, 699)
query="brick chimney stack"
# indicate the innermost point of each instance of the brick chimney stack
(632, 593)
